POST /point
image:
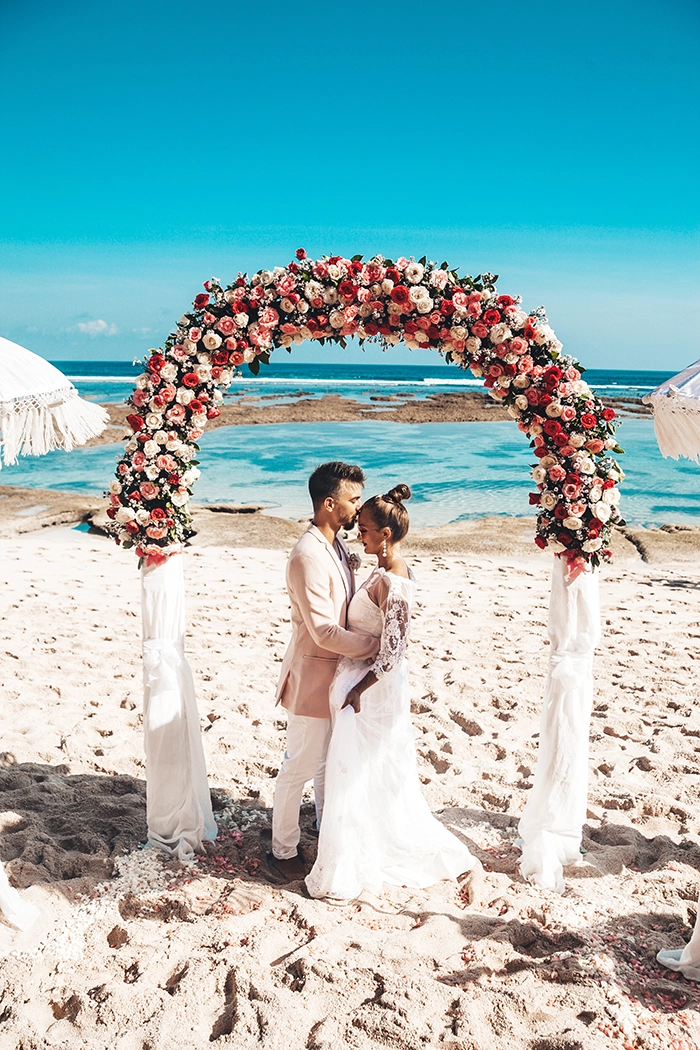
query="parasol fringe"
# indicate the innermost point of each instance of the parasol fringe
(676, 424)
(34, 425)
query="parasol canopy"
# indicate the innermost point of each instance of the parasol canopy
(40, 409)
(676, 405)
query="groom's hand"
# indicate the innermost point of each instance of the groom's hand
(353, 700)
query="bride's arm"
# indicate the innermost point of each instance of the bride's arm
(389, 594)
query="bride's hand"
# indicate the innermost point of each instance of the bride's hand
(352, 700)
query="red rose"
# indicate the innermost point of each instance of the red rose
(300, 253)
(496, 370)
(447, 307)
(111, 513)
(491, 317)
(201, 300)
(174, 479)
(534, 498)
(541, 452)
(156, 362)
(410, 328)
(541, 543)
(561, 512)
(565, 538)
(347, 289)
(400, 294)
(213, 413)
(132, 528)
(158, 514)
(371, 328)
(195, 406)
(561, 440)
(588, 421)
(393, 275)
(554, 373)
(505, 300)
(190, 379)
(608, 414)
(608, 483)
(135, 422)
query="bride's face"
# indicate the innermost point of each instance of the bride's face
(371, 537)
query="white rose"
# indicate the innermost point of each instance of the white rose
(131, 446)
(335, 272)
(330, 296)
(580, 388)
(179, 498)
(517, 319)
(424, 306)
(153, 421)
(472, 344)
(572, 523)
(601, 511)
(458, 332)
(521, 382)
(544, 334)
(504, 381)
(387, 285)
(421, 336)
(125, 514)
(587, 466)
(499, 333)
(190, 476)
(184, 395)
(548, 500)
(577, 440)
(229, 295)
(393, 338)
(189, 346)
(312, 290)
(241, 320)
(115, 487)
(593, 545)
(212, 340)
(417, 293)
(414, 272)
(174, 446)
(539, 475)
(548, 461)
(161, 437)
(278, 272)
(151, 471)
(612, 496)
(610, 442)
(336, 319)
(184, 322)
(303, 306)
(522, 402)
(513, 412)
(248, 355)
(203, 371)
(267, 277)
(168, 371)
(510, 359)
(143, 516)
(199, 420)
(553, 410)
(186, 453)
(226, 377)
(143, 382)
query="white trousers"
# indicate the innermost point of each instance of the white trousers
(304, 759)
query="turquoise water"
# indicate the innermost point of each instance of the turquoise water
(456, 470)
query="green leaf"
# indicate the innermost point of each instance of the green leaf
(443, 266)
(356, 258)
(343, 343)
(254, 366)
(422, 261)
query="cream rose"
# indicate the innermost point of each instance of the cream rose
(143, 516)
(151, 448)
(472, 344)
(212, 340)
(168, 371)
(241, 320)
(572, 523)
(180, 498)
(125, 514)
(539, 475)
(499, 333)
(593, 545)
(548, 461)
(337, 319)
(115, 487)
(418, 292)
(553, 410)
(548, 500)
(184, 396)
(414, 272)
(153, 421)
(424, 306)
(152, 471)
(521, 382)
(521, 402)
(577, 440)
(513, 412)
(601, 511)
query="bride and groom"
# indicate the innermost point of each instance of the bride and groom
(344, 685)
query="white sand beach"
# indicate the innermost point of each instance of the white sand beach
(132, 953)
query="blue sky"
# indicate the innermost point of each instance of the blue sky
(149, 146)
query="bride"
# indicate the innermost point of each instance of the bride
(376, 825)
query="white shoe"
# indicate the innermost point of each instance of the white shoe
(671, 959)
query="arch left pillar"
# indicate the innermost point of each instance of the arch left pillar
(178, 803)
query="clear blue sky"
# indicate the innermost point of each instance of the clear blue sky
(148, 146)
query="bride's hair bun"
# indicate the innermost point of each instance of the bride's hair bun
(388, 511)
(398, 494)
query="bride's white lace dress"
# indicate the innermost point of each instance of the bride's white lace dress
(376, 825)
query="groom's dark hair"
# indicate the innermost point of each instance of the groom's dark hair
(325, 480)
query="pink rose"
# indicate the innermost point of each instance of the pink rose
(122, 469)
(525, 365)
(480, 330)
(165, 462)
(595, 445)
(364, 295)
(156, 532)
(460, 300)
(474, 309)
(138, 461)
(148, 490)
(176, 414)
(195, 334)
(568, 413)
(401, 263)
(556, 473)
(289, 329)
(140, 398)
(285, 285)
(226, 326)
(195, 434)
(577, 509)
(349, 328)
(268, 317)
(518, 345)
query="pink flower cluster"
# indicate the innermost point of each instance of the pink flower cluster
(417, 303)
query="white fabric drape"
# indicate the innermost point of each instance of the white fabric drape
(676, 405)
(552, 822)
(178, 803)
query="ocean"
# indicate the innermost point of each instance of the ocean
(456, 471)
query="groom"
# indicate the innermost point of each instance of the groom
(321, 583)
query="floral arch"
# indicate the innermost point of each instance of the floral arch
(421, 304)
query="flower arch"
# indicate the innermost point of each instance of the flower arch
(421, 304)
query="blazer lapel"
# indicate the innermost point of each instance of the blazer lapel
(334, 558)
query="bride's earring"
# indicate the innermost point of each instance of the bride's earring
(384, 549)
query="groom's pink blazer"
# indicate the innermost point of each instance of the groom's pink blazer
(319, 593)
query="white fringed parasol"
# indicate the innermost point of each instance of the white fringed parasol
(40, 409)
(676, 405)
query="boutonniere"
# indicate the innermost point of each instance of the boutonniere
(355, 562)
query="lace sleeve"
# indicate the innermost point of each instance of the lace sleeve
(394, 601)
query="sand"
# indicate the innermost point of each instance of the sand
(133, 953)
